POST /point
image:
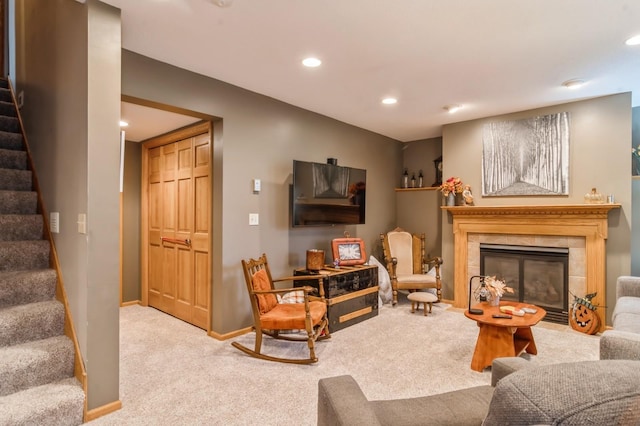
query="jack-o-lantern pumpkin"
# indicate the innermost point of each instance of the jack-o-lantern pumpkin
(582, 315)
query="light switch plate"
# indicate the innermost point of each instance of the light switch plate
(54, 222)
(82, 223)
(256, 185)
(254, 219)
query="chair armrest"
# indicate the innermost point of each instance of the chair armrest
(502, 367)
(391, 263)
(628, 286)
(616, 344)
(436, 261)
(341, 402)
(305, 289)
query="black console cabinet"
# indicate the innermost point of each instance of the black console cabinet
(351, 293)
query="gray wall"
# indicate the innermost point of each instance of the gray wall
(599, 157)
(259, 137)
(131, 222)
(635, 225)
(419, 211)
(68, 65)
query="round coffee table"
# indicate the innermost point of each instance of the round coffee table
(500, 337)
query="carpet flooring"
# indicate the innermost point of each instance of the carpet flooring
(173, 373)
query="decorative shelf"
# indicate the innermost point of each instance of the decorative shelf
(426, 188)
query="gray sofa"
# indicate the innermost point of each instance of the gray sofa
(623, 341)
(579, 393)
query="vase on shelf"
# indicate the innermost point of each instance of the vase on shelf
(450, 199)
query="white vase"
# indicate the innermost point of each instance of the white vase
(494, 301)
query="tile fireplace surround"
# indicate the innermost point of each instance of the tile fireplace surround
(581, 227)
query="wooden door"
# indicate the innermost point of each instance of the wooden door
(176, 224)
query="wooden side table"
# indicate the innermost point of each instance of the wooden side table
(499, 337)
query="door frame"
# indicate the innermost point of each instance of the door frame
(171, 137)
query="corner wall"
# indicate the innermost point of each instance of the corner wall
(68, 65)
(600, 139)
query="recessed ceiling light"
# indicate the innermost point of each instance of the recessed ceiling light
(311, 62)
(123, 123)
(573, 84)
(452, 108)
(389, 101)
(633, 41)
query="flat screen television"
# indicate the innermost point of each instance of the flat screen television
(327, 194)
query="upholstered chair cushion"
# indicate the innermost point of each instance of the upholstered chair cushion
(290, 316)
(401, 246)
(266, 302)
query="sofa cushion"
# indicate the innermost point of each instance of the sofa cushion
(629, 322)
(624, 306)
(588, 392)
(461, 407)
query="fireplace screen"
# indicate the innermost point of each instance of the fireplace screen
(537, 275)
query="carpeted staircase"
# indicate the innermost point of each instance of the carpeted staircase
(37, 383)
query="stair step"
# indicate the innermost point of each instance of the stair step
(22, 287)
(34, 321)
(9, 124)
(4, 83)
(9, 140)
(35, 363)
(21, 227)
(5, 95)
(15, 180)
(8, 109)
(12, 159)
(60, 403)
(24, 255)
(18, 202)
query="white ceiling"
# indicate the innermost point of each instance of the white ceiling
(490, 56)
(145, 122)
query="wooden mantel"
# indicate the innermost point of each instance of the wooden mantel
(582, 220)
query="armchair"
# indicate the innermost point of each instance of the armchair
(272, 317)
(405, 260)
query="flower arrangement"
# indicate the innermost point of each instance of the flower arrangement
(496, 287)
(452, 185)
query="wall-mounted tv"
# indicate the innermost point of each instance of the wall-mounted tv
(327, 194)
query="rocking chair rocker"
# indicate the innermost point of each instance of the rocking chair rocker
(272, 317)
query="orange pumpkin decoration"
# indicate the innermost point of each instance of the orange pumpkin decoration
(582, 315)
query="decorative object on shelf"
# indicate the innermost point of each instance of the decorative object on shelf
(315, 259)
(467, 195)
(451, 188)
(593, 197)
(438, 165)
(405, 179)
(413, 180)
(450, 199)
(582, 314)
(420, 179)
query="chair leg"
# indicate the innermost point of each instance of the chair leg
(258, 340)
(395, 297)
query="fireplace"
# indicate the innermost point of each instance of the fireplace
(538, 275)
(588, 222)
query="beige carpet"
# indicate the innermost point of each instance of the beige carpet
(172, 373)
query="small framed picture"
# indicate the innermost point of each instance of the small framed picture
(348, 251)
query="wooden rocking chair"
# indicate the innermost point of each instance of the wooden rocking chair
(271, 317)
